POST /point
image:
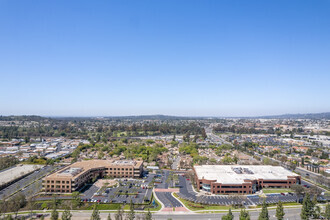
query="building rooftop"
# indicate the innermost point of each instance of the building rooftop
(13, 173)
(236, 174)
(71, 171)
(75, 169)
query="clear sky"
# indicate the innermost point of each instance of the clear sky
(174, 57)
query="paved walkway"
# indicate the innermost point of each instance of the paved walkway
(167, 190)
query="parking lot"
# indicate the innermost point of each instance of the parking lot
(126, 191)
(187, 192)
(162, 178)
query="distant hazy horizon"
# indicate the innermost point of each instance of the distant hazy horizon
(145, 115)
(182, 58)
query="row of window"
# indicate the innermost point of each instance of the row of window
(110, 173)
(231, 192)
(58, 190)
(120, 169)
(274, 182)
(58, 181)
(58, 186)
(231, 186)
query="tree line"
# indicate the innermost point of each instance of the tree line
(70, 129)
(8, 161)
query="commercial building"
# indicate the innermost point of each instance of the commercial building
(76, 175)
(240, 179)
(13, 174)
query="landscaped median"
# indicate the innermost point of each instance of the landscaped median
(199, 207)
(43, 204)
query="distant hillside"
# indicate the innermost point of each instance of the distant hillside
(154, 117)
(325, 115)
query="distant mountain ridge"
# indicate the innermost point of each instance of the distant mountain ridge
(324, 115)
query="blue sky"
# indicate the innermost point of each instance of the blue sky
(174, 57)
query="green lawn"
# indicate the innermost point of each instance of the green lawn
(279, 190)
(199, 207)
(158, 207)
(111, 206)
(284, 204)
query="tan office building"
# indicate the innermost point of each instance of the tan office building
(76, 175)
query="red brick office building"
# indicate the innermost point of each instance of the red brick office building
(237, 179)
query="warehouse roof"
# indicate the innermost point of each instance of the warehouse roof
(13, 173)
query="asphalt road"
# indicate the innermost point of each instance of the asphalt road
(164, 184)
(168, 200)
(176, 163)
(290, 214)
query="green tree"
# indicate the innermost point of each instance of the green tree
(119, 214)
(66, 214)
(317, 212)
(327, 212)
(279, 211)
(17, 202)
(305, 210)
(76, 200)
(44, 205)
(131, 214)
(229, 216)
(9, 217)
(264, 212)
(31, 205)
(312, 208)
(27, 139)
(244, 215)
(54, 214)
(148, 215)
(204, 135)
(298, 189)
(95, 214)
